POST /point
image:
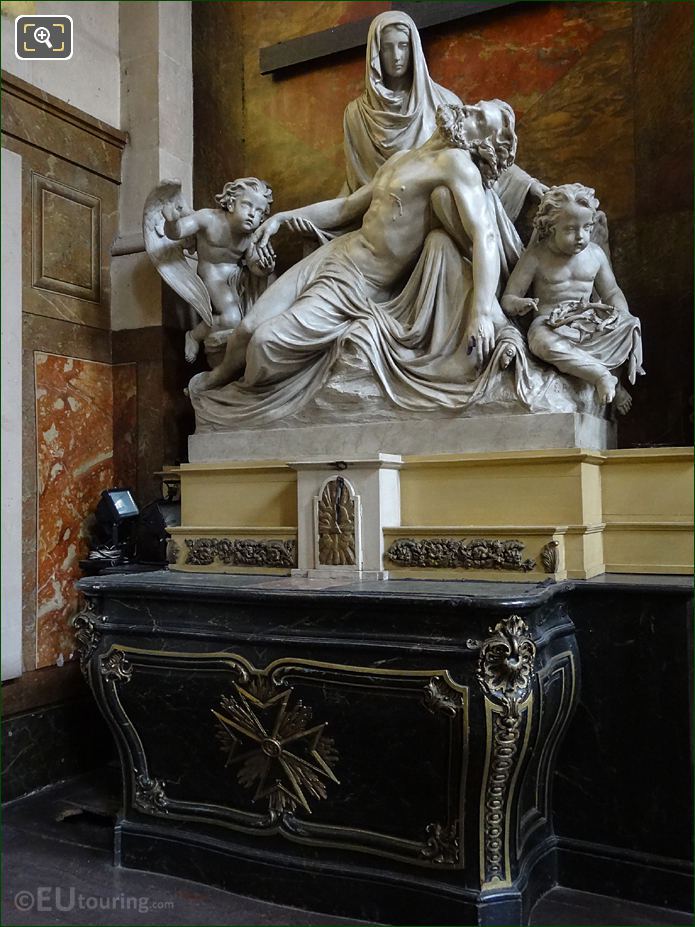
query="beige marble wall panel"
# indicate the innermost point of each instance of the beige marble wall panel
(69, 218)
(66, 228)
(136, 300)
(45, 122)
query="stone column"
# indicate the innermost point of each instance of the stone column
(157, 113)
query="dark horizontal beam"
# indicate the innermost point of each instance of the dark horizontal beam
(306, 48)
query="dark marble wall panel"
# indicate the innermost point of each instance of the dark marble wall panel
(602, 92)
(125, 424)
(46, 686)
(624, 773)
(662, 291)
(49, 744)
(142, 348)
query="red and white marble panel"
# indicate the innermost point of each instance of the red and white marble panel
(75, 416)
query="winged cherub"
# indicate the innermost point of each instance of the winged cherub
(231, 273)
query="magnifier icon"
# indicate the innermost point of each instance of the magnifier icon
(42, 35)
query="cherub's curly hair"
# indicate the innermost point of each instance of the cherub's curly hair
(231, 190)
(492, 154)
(558, 198)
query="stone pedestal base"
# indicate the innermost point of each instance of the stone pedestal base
(402, 433)
(530, 515)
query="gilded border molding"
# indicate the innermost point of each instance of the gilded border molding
(271, 691)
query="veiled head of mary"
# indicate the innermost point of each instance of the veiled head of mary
(486, 129)
(394, 51)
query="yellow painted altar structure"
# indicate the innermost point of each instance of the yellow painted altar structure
(577, 513)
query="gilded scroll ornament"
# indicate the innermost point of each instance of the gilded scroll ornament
(204, 552)
(281, 754)
(550, 556)
(149, 795)
(442, 844)
(336, 524)
(115, 667)
(173, 551)
(451, 553)
(87, 633)
(440, 697)
(506, 661)
(505, 671)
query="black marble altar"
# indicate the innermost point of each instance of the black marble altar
(380, 750)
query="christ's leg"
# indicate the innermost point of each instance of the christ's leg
(286, 344)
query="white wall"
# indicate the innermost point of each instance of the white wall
(91, 79)
(11, 437)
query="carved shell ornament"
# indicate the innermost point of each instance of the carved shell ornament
(336, 524)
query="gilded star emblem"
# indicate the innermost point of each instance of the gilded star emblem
(279, 752)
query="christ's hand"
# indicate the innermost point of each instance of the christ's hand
(480, 339)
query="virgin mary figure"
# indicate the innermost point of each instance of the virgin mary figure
(398, 107)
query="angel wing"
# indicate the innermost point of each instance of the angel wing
(167, 255)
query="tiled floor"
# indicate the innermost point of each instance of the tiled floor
(57, 867)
